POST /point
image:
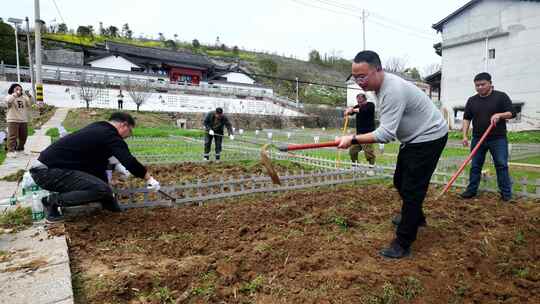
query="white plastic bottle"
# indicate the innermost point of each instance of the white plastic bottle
(37, 208)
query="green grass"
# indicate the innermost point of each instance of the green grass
(16, 219)
(513, 137)
(2, 154)
(166, 132)
(53, 133)
(535, 160)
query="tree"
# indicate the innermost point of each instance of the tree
(126, 30)
(7, 46)
(113, 31)
(161, 36)
(83, 31)
(395, 64)
(235, 50)
(171, 44)
(175, 37)
(315, 57)
(62, 28)
(138, 90)
(223, 47)
(196, 44)
(88, 90)
(413, 73)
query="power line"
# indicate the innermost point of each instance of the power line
(58, 11)
(394, 24)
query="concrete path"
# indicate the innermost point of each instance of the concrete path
(35, 144)
(34, 266)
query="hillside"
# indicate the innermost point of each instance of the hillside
(275, 68)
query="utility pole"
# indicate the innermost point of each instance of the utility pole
(16, 23)
(37, 35)
(30, 61)
(297, 91)
(364, 27)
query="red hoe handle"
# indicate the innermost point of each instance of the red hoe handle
(473, 152)
(293, 147)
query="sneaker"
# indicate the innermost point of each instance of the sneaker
(397, 220)
(395, 251)
(206, 158)
(51, 207)
(467, 195)
(506, 199)
(50, 219)
(11, 154)
(112, 206)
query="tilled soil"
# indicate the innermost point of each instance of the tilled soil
(191, 172)
(314, 246)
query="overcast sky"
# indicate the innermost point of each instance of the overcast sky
(291, 27)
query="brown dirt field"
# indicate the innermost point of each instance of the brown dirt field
(190, 172)
(313, 246)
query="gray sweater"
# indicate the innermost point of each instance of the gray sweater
(407, 113)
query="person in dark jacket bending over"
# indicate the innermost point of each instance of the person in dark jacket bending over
(75, 166)
(487, 107)
(406, 113)
(214, 123)
(365, 123)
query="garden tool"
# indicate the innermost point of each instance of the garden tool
(265, 160)
(293, 147)
(343, 133)
(466, 161)
(267, 164)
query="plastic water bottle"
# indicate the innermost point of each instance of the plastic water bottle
(37, 208)
(62, 131)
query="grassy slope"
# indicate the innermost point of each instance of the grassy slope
(287, 68)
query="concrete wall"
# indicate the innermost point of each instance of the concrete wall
(68, 97)
(513, 30)
(113, 62)
(63, 56)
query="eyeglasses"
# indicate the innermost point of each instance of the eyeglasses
(361, 78)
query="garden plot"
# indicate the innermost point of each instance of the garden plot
(315, 246)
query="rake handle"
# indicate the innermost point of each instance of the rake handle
(462, 167)
(294, 147)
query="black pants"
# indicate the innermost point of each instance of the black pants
(75, 187)
(208, 144)
(120, 104)
(415, 166)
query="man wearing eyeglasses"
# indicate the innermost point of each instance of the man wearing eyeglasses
(74, 167)
(408, 115)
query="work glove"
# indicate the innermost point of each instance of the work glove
(152, 184)
(211, 132)
(231, 137)
(124, 173)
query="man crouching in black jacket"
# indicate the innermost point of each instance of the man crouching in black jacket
(74, 166)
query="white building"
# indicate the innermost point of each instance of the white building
(114, 62)
(501, 37)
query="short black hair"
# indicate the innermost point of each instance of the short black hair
(219, 110)
(482, 76)
(122, 117)
(369, 57)
(361, 94)
(12, 88)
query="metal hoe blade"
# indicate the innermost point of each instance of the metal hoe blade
(267, 163)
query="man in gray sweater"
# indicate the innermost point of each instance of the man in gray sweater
(406, 114)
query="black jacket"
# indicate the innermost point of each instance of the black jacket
(89, 149)
(224, 121)
(365, 118)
